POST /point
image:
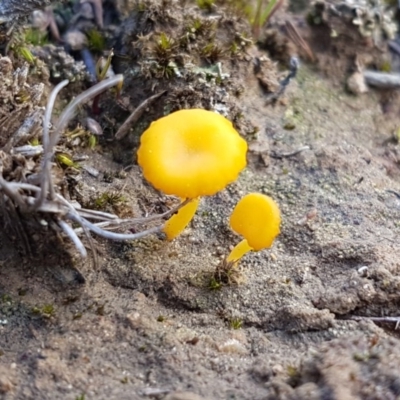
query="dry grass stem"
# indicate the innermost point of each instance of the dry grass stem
(20, 197)
(136, 114)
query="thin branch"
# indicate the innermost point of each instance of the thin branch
(112, 235)
(73, 236)
(73, 211)
(79, 100)
(29, 150)
(379, 319)
(297, 39)
(122, 223)
(48, 154)
(291, 153)
(11, 193)
(382, 80)
(137, 113)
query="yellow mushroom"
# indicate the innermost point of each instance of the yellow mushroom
(257, 218)
(189, 154)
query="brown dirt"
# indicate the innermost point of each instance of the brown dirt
(146, 323)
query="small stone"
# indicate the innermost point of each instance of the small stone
(184, 396)
(232, 346)
(356, 83)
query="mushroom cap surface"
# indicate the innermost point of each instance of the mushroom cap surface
(257, 218)
(191, 153)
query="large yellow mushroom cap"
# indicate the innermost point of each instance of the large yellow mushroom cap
(191, 153)
(257, 218)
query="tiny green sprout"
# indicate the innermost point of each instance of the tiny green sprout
(227, 273)
(87, 139)
(386, 66)
(65, 161)
(196, 26)
(212, 52)
(396, 135)
(26, 54)
(77, 315)
(234, 48)
(77, 132)
(206, 4)
(92, 141)
(46, 311)
(164, 47)
(292, 371)
(80, 397)
(108, 200)
(361, 356)
(96, 40)
(293, 374)
(262, 16)
(34, 142)
(236, 323)
(214, 284)
(141, 7)
(22, 96)
(201, 27)
(35, 37)
(111, 198)
(100, 310)
(5, 298)
(161, 318)
(101, 70)
(124, 380)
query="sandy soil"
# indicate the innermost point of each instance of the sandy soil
(146, 323)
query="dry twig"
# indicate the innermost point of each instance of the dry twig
(44, 198)
(379, 319)
(136, 114)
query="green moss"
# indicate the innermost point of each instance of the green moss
(96, 40)
(361, 357)
(212, 52)
(214, 284)
(227, 274)
(5, 298)
(163, 48)
(35, 37)
(206, 4)
(235, 323)
(109, 199)
(47, 310)
(25, 53)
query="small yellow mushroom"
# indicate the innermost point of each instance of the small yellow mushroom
(189, 154)
(257, 218)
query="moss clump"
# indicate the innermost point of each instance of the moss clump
(110, 201)
(206, 4)
(235, 323)
(96, 40)
(46, 310)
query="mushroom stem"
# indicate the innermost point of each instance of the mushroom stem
(239, 251)
(178, 222)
